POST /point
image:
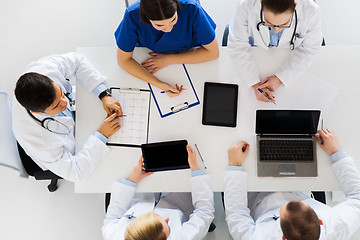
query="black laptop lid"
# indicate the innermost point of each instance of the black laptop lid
(287, 121)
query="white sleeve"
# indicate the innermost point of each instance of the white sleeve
(75, 65)
(345, 215)
(239, 47)
(302, 56)
(75, 167)
(120, 202)
(203, 201)
(241, 224)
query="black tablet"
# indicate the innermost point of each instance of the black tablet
(164, 156)
(220, 104)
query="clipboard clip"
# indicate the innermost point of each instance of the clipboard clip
(131, 90)
(179, 107)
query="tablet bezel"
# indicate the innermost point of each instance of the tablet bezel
(220, 85)
(180, 143)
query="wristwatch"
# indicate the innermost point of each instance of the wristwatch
(105, 93)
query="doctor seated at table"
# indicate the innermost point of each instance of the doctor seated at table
(292, 215)
(165, 26)
(170, 215)
(44, 122)
(271, 24)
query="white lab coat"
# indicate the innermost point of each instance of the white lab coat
(196, 227)
(340, 221)
(307, 41)
(52, 151)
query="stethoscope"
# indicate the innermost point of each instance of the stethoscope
(292, 45)
(46, 121)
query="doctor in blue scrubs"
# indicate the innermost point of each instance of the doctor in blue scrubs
(177, 31)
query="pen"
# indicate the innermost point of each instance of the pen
(200, 156)
(322, 127)
(169, 91)
(265, 94)
(120, 116)
(322, 123)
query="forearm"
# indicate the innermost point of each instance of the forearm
(73, 64)
(347, 212)
(120, 202)
(135, 69)
(348, 176)
(239, 46)
(303, 55)
(296, 65)
(196, 55)
(238, 217)
(202, 197)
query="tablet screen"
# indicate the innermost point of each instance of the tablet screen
(165, 156)
(220, 104)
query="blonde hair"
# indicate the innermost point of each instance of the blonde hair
(145, 227)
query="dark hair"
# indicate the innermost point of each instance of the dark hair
(35, 92)
(278, 6)
(300, 223)
(158, 9)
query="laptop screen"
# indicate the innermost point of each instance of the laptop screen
(287, 121)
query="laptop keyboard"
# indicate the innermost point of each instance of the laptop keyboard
(286, 150)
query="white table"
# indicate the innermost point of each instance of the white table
(338, 65)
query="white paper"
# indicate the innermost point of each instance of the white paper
(309, 93)
(171, 74)
(174, 74)
(134, 126)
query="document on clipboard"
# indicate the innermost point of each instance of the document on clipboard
(174, 74)
(135, 104)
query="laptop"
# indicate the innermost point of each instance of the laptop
(286, 143)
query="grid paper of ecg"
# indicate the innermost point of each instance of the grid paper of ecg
(134, 126)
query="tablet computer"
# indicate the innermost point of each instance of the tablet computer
(220, 104)
(163, 156)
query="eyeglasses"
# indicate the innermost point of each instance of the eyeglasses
(274, 26)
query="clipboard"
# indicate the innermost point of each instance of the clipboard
(135, 104)
(174, 74)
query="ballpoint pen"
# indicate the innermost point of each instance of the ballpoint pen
(170, 91)
(322, 127)
(265, 94)
(120, 116)
(200, 156)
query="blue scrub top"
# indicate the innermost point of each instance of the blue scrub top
(194, 27)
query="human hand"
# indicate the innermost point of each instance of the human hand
(237, 153)
(170, 91)
(109, 126)
(138, 173)
(272, 83)
(262, 97)
(192, 158)
(110, 103)
(328, 141)
(156, 62)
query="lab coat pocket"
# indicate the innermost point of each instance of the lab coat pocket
(298, 41)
